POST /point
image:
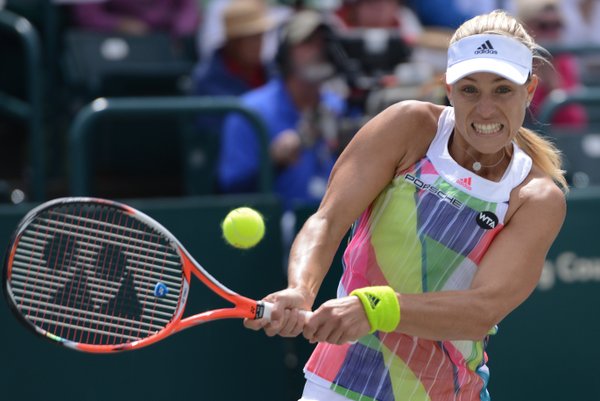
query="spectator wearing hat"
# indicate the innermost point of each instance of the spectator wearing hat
(236, 67)
(299, 117)
(211, 33)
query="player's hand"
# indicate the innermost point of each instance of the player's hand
(337, 321)
(290, 310)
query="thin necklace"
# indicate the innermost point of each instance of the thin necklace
(477, 166)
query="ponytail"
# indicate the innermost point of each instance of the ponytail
(544, 155)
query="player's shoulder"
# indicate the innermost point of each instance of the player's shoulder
(539, 192)
(415, 113)
(540, 187)
(410, 122)
(412, 126)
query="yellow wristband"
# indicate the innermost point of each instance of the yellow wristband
(381, 306)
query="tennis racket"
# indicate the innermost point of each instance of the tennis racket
(99, 276)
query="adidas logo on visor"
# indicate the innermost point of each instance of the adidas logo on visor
(486, 48)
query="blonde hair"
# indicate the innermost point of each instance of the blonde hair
(543, 152)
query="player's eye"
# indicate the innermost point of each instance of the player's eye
(503, 89)
(468, 89)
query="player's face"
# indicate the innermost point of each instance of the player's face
(489, 109)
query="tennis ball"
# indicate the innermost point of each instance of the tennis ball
(243, 227)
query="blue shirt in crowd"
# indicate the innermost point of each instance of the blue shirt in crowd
(238, 170)
(439, 13)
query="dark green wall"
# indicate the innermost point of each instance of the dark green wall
(545, 350)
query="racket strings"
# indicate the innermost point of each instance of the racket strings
(88, 274)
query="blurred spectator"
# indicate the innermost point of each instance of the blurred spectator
(179, 18)
(237, 66)
(389, 14)
(451, 13)
(543, 20)
(440, 13)
(473, 8)
(211, 34)
(389, 71)
(299, 116)
(582, 21)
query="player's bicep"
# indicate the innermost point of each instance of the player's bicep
(512, 265)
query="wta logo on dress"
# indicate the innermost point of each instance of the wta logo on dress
(487, 220)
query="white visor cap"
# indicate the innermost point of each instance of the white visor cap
(492, 53)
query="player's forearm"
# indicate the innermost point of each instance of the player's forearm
(311, 255)
(447, 315)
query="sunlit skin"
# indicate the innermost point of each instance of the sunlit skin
(489, 110)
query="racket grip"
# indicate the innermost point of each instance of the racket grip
(268, 308)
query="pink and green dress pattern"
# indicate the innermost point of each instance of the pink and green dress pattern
(427, 231)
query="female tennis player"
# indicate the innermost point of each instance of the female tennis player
(454, 210)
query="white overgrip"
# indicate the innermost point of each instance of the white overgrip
(268, 308)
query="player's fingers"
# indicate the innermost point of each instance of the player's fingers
(275, 325)
(302, 318)
(254, 324)
(290, 323)
(335, 337)
(295, 323)
(316, 328)
(276, 313)
(310, 327)
(322, 333)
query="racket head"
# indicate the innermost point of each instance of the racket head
(99, 276)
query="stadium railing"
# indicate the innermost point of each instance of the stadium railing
(102, 109)
(589, 97)
(30, 110)
(580, 145)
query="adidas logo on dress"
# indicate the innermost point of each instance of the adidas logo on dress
(486, 48)
(465, 182)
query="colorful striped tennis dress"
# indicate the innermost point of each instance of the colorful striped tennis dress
(427, 231)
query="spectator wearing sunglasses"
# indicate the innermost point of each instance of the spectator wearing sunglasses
(582, 21)
(544, 21)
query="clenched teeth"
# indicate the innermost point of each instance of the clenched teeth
(487, 128)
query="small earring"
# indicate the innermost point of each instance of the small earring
(528, 103)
